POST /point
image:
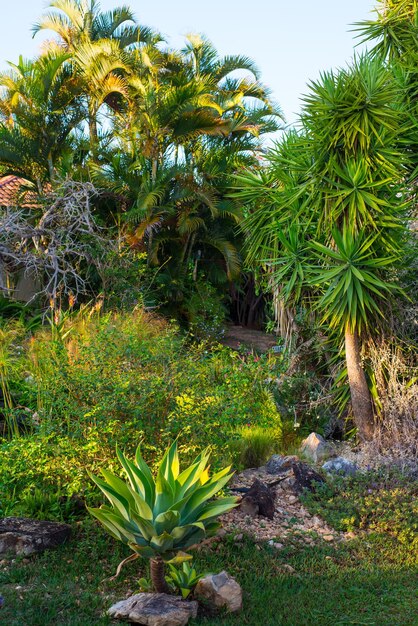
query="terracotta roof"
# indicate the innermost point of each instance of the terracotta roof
(12, 193)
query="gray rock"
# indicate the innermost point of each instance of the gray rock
(221, 591)
(278, 464)
(20, 535)
(154, 609)
(340, 465)
(315, 448)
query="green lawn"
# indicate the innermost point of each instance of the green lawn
(368, 581)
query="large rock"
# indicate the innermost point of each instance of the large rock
(315, 448)
(154, 609)
(259, 500)
(278, 464)
(220, 591)
(20, 535)
(341, 466)
(305, 477)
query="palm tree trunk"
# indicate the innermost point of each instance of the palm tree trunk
(361, 401)
(157, 575)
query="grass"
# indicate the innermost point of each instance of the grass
(367, 581)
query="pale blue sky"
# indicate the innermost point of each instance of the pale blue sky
(291, 41)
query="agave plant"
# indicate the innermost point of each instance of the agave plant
(160, 518)
(184, 578)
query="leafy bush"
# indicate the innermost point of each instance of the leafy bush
(383, 501)
(92, 380)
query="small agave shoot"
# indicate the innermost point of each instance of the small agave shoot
(160, 518)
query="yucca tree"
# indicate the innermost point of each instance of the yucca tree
(159, 518)
(393, 35)
(335, 195)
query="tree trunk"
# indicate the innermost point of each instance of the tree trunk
(361, 401)
(157, 575)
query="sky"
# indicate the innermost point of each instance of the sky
(291, 41)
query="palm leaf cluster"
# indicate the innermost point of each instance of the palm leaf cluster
(159, 130)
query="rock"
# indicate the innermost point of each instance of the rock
(154, 609)
(292, 499)
(249, 507)
(340, 465)
(315, 448)
(288, 568)
(278, 463)
(27, 536)
(259, 494)
(221, 591)
(305, 477)
(328, 537)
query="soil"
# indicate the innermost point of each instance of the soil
(257, 340)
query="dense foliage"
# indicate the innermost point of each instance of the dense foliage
(92, 381)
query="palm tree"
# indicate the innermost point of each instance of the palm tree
(39, 110)
(334, 226)
(96, 41)
(77, 22)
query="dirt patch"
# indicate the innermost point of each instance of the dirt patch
(238, 336)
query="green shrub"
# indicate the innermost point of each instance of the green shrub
(382, 501)
(93, 380)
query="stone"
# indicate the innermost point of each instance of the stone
(315, 448)
(221, 591)
(261, 495)
(154, 609)
(278, 464)
(306, 477)
(341, 466)
(249, 507)
(328, 537)
(22, 536)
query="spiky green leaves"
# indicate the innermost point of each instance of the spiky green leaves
(165, 515)
(349, 273)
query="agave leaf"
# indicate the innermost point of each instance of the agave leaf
(117, 526)
(145, 527)
(166, 521)
(142, 507)
(119, 502)
(170, 466)
(163, 542)
(201, 495)
(181, 557)
(119, 486)
(147, 474)
(145, 551)
(213, 509)
(164, 494)
(137, 479)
